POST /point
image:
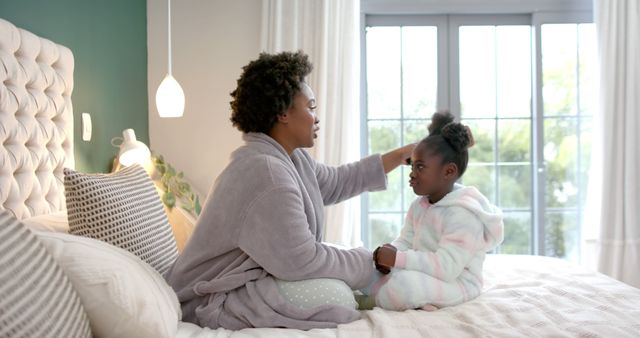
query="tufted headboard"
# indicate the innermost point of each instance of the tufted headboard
(36, 122)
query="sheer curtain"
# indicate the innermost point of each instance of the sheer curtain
(613, 238)
(328, 31)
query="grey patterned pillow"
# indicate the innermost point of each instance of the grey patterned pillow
(123, 209)
(36, 297)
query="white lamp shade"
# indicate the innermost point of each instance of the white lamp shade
(131, 150)
(170, 98)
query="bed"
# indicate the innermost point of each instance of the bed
(123, 294)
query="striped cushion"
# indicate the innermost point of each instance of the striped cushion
(36, 297)
(123, 209)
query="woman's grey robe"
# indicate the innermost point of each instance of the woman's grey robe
(263, 219)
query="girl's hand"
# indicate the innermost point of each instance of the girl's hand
(385, 257)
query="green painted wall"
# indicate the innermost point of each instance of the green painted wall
(109, 41)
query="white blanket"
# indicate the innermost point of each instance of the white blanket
(524, 296)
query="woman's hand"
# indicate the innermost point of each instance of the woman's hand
(397, 157)
(385, 257)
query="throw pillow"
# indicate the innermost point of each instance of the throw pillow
(122, 209)
(36, 297)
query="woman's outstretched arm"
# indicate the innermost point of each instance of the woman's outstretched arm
(396, 157)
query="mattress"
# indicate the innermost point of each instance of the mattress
(524, 296)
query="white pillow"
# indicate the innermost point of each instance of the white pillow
(53, 222)
(123, 296)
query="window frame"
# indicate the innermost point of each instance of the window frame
(539, 175)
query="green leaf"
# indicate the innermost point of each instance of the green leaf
(165, 180)
(162, 169)
(184, 188)
(173, 186)
(197, 208)
(169, 199)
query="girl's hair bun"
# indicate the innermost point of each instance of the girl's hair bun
(438, 121)
(456, 134)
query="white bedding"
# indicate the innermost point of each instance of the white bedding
(525, 296)
(53, 222)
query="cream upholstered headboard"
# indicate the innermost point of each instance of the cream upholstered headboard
(36, 122)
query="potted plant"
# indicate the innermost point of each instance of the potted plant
(174, 189)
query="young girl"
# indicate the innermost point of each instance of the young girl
(437, 259)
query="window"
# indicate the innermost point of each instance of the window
(525, 85)
(569, 92)
(402, 89)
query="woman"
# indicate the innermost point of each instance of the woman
(262, 222)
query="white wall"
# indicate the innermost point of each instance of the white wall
(211, 41)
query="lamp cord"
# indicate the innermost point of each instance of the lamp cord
(116, 142)
(169, 33)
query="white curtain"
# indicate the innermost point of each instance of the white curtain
(613, 206)
(327, 31)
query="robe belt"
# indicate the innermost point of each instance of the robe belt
(227, 283)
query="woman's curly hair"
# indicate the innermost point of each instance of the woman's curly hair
(266, 89)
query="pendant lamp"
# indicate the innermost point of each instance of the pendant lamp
(170, 96)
